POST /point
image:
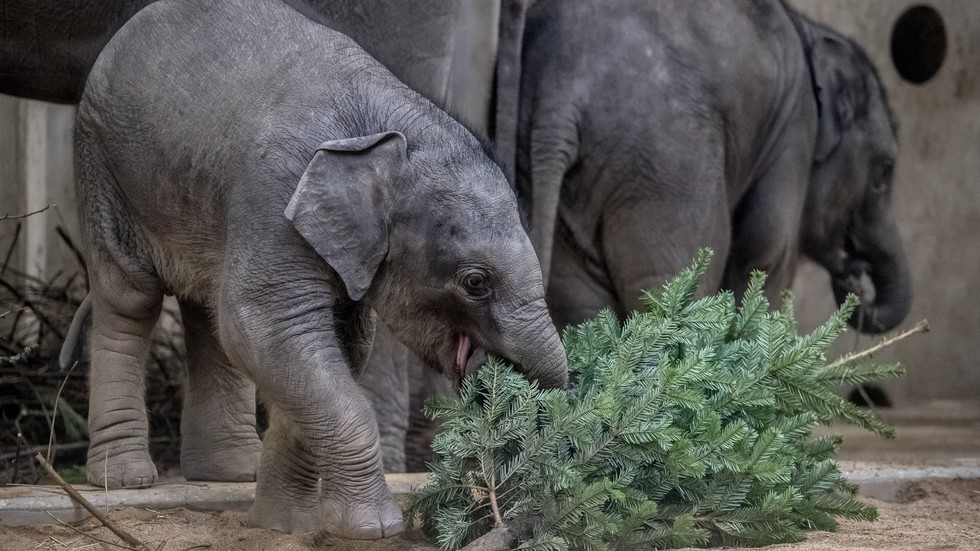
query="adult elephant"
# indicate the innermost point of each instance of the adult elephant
(48, 47)
(650, 129)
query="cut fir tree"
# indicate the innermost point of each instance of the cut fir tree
(687, 425)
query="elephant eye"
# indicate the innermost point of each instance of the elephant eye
(476, 284)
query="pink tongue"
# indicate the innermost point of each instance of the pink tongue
(462, 353)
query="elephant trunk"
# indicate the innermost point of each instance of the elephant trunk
(878, 253)
(544, 360)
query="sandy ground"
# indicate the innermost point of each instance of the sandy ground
(931, 516)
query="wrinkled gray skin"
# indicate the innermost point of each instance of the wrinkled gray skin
(650, 129)
(282, 184)
(48, 47)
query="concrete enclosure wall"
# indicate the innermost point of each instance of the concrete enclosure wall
(36, 171)
(936, 188)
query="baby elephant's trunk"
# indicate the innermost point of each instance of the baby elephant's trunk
(544, 360)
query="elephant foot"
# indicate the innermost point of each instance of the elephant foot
(287, 518)
(239, 463)
(133, 469)
(359, 520)
(362, 520)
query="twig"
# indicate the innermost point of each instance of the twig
(10, 250)
(54, 411)
(921, 327)
(72, 446)
(52, 539)
(17, 216)
(71, 246)
(27, 302)
(123, 535)
(201, 546)
(86, 534)
(8, 312)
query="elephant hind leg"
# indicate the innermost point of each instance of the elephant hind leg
(124, 311)
(580, 287)
(217, 426)
(649, 240)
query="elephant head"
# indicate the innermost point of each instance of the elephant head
(849, 225)
(433, 242)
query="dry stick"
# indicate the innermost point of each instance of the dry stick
(74, 249)
(71, 446)
(30, 304)
(10, 250)
(123, 535)
(8, 312)
(87, 535)
(16, 216)
(54, 412)
(921, 327)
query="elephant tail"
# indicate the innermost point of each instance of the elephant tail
(70, 345)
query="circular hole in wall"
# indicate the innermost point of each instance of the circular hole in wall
(919, 43)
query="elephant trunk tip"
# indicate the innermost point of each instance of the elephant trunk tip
(553, 374)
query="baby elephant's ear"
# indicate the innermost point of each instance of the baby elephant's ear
(339, 206)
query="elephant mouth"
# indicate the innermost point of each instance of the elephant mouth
(467, 357)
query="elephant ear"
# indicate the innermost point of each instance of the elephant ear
(339, 204)
(839, 87)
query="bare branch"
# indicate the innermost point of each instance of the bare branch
(123, 535)
(921, 327)
(54, 410)
(87, 535)
(8, 216)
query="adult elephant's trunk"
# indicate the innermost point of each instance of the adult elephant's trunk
(540, 353)
(877, 251)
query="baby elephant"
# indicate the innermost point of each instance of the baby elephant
(283, 185)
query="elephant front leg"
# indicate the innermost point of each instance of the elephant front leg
(217, 425)
(287, 496)
(324, 430)
(122, 319)
(322, 424)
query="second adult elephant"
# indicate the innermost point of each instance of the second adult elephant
(650, 129)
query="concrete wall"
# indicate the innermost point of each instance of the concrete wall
(937, 196)
(36, 171)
